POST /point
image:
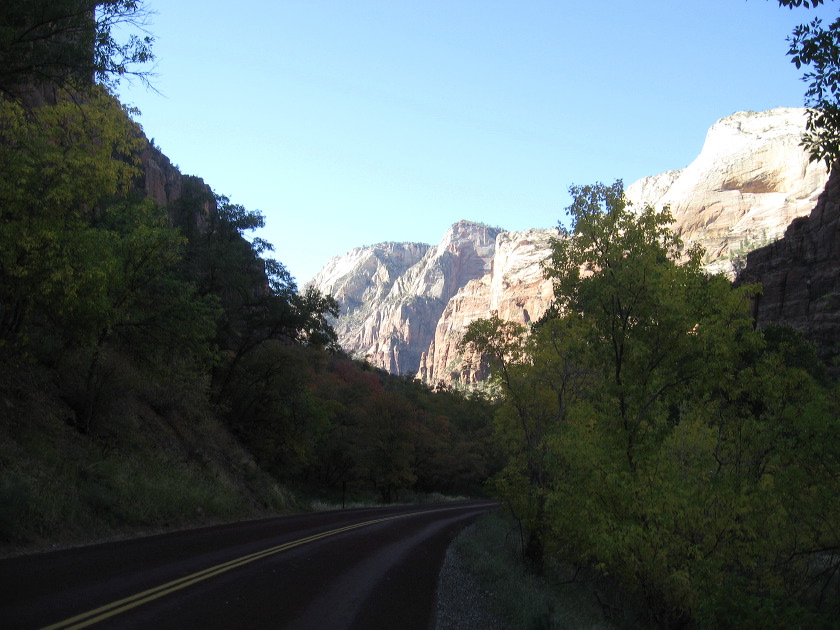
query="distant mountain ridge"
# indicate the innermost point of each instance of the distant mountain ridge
(404, 306)
(392, 294)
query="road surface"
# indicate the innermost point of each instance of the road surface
(366, 568)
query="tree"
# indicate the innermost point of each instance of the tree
(383, 443)
(274, 410)
(818, 48)
(86, 267)
(344, 384)
(258, 296)
(71, 43)
(61, 165)
(656, 319)
(672, 449)
(654, 436)
(130, 299)
(542, 376)
(313, 310)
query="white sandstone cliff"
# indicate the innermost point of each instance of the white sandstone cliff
(751, 179)
(406, 306)
(389, 311)
(516, 289)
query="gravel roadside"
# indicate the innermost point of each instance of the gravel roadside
(461, 603)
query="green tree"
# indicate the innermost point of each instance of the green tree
(608, 420)
(676, 453)
(383, 443)
(657, 321)
(542, 376)
(61, 165)
(272, 407)
(345, 385)
(258, 296)
(817, 48)
(654, 435)
(313, 310)
(86, 267)
(71, 43)
(130, 299)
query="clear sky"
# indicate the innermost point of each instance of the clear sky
(354, 122)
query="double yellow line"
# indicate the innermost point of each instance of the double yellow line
(115, 608)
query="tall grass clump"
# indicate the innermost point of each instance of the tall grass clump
(491, 551)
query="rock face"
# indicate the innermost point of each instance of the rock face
(751, 179)
(365, 275)
(800, 275)
(392, 295)
(406, 306)
(161, 181)
(515, 288)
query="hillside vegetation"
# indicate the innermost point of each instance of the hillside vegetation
(156, 367)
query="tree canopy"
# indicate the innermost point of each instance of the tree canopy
(71, 43)
(656, 439)
(816, 48)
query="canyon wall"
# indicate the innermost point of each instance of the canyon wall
(751, 179)
(800, 275)
(515, 289)
(392, 295)
(405, 306)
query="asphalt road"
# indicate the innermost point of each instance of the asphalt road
(368, 568)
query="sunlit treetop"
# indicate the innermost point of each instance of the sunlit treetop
(817, 49)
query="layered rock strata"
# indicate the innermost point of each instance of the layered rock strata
(406, 306)
(392, 295)
(516, 289)
(800, 275)
(751, 179)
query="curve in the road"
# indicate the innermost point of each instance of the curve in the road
(130, 605)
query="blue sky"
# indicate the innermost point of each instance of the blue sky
(349, 123)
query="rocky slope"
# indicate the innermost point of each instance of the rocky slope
(405, 306)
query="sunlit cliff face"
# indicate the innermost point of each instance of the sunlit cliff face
(751, 179)
(406, 305)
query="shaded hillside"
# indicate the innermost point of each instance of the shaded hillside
(158, 369)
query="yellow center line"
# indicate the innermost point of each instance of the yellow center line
(115, 608)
